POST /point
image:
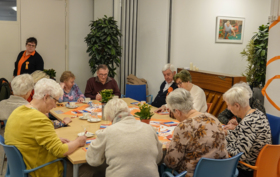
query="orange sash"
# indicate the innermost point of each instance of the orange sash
(22, 60)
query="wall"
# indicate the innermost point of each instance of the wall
(193, 35)
(78, 30)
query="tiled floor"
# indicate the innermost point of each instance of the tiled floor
(1, 155)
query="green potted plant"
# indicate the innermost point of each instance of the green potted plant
(50, 72)
(256, 53)
(106, 94)
(103, 44)
(145, 113)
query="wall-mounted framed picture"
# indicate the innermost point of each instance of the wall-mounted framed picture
(230, 29)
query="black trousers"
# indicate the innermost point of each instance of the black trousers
(245, 173)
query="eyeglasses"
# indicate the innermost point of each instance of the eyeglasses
(103, 75)
(59, 105)
(54, 98)
(179, 83)
(29, 45)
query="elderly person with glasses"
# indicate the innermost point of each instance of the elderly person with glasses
(183, 80)
(197, 135)
(251, 134)
(227, 117)
(31, 131)
(130, 147)
(70, 89)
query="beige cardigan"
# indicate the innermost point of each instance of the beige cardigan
(9, 105)
(130, 148)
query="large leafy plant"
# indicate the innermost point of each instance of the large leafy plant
(103, 44)
(256, 53)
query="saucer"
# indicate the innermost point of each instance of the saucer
(94, 120)
(70, 107)
(83, 118)
(89, 134)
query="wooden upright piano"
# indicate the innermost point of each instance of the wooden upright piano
(214, 85)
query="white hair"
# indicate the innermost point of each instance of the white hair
(114, 107)
(22, 84)
(168, 66)
(238, 95)
(180, 99)
(38, 74)
(246, 86)
(47, 87)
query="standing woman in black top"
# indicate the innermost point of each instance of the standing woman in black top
(29, 60)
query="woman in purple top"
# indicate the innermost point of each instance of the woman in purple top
(70, 89)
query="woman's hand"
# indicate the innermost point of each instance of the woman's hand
(233, 122)
(81, 99)
(229, 127)
(62, 85)
(163, 108)
(67, 120)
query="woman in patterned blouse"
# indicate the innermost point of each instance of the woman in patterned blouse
(70, 89)
(251, 134)
(197, 135)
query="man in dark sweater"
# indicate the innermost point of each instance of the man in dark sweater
(101, 82)
(167, 86)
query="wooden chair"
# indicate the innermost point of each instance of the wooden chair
(209, 105)
(268, 162)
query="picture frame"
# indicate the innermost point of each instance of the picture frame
(230, 29)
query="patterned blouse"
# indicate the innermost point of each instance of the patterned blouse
(74, 94)
(202, 136)
(249, 137)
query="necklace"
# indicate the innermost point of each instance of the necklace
(248, 111)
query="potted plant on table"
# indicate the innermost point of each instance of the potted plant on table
(145, 113)
(106, 95)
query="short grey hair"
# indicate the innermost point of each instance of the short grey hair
(38, 74)
(168, 66)
(246, 86)
(238, 95)
(115, 107)
(180, 99)
(47, 87)
(22, 84)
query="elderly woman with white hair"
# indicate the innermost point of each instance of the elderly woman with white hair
(22, 86)
(31, 131)
(251, 134)
(197, 135)
(227, 117)
(130, 147)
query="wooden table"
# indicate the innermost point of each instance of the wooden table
(70, 132)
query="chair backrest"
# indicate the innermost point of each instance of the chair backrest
(274, 122)
(137, 92)
(217, 167)
(15, 161)
(209, 105)
(268, 161)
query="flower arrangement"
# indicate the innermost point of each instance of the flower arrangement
(145, 111)
(50, 72)
(106, 94)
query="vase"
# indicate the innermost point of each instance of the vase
(103, 106)
(147, 121)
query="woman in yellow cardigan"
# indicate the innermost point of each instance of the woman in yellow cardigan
(31, 131)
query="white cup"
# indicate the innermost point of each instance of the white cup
(86, 115)
(72, 104)
(87, 99)
(116, 97)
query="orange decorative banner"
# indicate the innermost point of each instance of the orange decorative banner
(274, 23)
(272, 60)
(266, 95)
